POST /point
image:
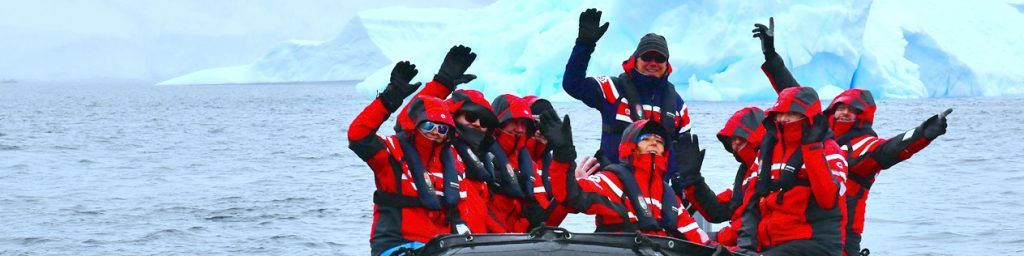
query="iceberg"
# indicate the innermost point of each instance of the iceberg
(899, 49)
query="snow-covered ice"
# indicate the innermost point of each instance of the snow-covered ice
(899, 49)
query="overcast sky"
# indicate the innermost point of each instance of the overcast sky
(149, 40)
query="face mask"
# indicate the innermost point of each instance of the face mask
(746, 154)
(647, 161)
(840, 128)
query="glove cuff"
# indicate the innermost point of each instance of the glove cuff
(445, 80)
(390, 100)
(565, 155)
(588, 42)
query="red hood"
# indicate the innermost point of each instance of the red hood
(422, 109)
(632, 133)
(858, 99)
(472, 101)
(508, 107)
(630, 64)
(746, 124)
(803, 100)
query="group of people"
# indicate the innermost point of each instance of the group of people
(459, 163)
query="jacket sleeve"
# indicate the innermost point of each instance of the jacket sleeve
(585, 195)
(824, 163)
(707, 203)
(689, 228)
(362, 133)
(900, 147)
(435, 89)
(575, 80)
(777, 73)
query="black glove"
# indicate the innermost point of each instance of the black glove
(767, 36)
(453, 69)
(559, 135)
(689, 158)
(817, 132)
(399, 88)
(590, 31)
(936, 125)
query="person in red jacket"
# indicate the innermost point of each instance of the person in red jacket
(475, 121)
(541, 154)
(741, 136)
(627, 197)
(518, 197)
(416, 173)
(850, 115)
(797, 205)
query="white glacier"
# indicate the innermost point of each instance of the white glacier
(899, 49)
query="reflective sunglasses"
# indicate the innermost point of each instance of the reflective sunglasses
(655, 136)
(429, 126)
(653, 56)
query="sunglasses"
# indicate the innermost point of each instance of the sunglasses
(429, 126)
(651, 135)
(470, 116)
(653, 56)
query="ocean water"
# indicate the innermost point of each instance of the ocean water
(133, 169)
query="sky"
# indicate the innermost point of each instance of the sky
(150, 40)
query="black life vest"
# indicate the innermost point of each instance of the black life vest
(624, 84)
(508, 181)
(426, 198)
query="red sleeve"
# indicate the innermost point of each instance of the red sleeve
(725, 196)
(435, 89)
(689, 228)
(364, 141)
(367, 122)
(820, 172)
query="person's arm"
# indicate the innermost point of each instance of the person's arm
(689, 228)
(452, 72)
(903, 146)
(362, 132)
(585, 195)
(823, 163)
(707, 203)
(688, 157)
(774, 68)
(575, 81)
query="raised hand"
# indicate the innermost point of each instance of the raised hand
(559, 134)
(767, 35)
(587, 167)
(689, 158)
(453, 69)
(590, 28)
(818, 131)
(399, 88)
(936, 125)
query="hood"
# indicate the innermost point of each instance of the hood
(803, 100)
(858, 99)
(473, 101)
(538, 105)
(508, 107)
(632, 133)
(422, 109)
(746, 124)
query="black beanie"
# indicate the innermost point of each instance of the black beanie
(652, 42)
